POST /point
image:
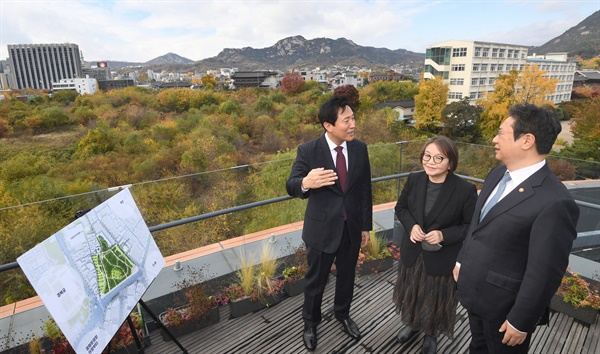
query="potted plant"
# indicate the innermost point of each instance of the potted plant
(294, 275)
(123, 341)
(576, 298)
(256, 286)
(198, 311)
(376, 256)
(60, 345)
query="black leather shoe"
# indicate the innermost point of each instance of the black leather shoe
(350, 327)
(429, 345)
(405, 334)
(310, 338)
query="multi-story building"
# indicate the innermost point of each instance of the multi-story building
(389, 75)
(471, 68)
(37, 66)
(100, 71)
(85, 85)
(557, 66)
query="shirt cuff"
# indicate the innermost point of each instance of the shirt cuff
(457, 264)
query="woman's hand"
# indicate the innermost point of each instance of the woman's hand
(434, 237)
(416, 234)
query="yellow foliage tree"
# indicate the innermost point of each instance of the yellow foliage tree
(529, 86)
(429, 104)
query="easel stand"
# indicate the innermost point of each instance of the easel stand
(138, 343)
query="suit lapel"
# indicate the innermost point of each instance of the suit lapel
(351, 162)
(420, 195)
(327, 160)
(442, 199)
(522, 192)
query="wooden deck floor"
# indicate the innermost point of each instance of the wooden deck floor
(278, 329)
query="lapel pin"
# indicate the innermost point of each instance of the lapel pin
(521, 190)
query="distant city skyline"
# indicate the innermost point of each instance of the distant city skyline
(139, 31)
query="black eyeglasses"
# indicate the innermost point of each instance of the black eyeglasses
(436, 159)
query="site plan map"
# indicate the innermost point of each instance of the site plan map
(92, 273)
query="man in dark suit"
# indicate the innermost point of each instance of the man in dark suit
(518, 245)
(339, 213)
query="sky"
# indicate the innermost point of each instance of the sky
(141, 30)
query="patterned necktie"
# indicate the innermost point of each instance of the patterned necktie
(340, 166)
(495, 197)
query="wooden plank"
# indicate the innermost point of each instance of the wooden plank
(278, 329)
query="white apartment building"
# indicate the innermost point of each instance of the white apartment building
(470, 68)
(557, 66)
(82, 86)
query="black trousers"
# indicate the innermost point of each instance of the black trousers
(319, 266)
(485, 338)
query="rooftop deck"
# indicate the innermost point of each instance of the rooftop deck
(278, 329)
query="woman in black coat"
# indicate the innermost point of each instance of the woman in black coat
(435, 208)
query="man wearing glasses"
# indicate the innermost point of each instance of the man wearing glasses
(517, 248)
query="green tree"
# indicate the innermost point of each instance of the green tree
(430, 103)
(462, 121)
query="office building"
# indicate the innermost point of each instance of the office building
(37, 66)
(470, 68)
(85, 85)
(557, 66)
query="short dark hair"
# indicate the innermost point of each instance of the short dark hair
(541, 122)
(448, 148)
(329, 110)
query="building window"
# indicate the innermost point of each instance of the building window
(494, 52)
(458, 67)
(474, 81)
(484, 67)
(501, 53)
(509, 53)
(482, 81)
(477, 51)
(492, 80)
(492, 67)
(500, 67)
(475, 67)
(473, 95)
(486, 52)
(457, 82)
(459, 52)
(454, 95)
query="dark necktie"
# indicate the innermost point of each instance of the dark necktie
(495, 197)
(340, 166)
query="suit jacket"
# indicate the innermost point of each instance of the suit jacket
(324, 217)
(513, 261)
(451, 213)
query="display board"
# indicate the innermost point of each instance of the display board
(91, 274)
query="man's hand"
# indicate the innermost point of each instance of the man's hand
(366, 236)
(512, 337)
(455, 272)
(319, 177)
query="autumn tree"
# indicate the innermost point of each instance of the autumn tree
(429, 104)
(292, 83)
(529, 86)
(386, 91)
(351, 93)
(209, 82)
(532, 87)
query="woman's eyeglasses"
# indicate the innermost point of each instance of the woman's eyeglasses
(437, 159)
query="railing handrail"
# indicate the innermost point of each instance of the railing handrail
(14, 265)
